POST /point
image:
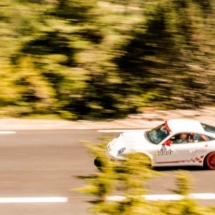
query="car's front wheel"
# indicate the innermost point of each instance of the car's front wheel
(98, 163)
(210, 161)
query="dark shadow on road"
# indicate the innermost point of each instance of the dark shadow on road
(85, 177)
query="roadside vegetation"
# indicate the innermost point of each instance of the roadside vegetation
(128, 179)
(89, 59)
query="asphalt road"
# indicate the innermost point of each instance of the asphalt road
(47, 164)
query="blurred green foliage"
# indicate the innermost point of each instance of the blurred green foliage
(87, 59)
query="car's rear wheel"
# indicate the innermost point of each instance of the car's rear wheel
(210, 161)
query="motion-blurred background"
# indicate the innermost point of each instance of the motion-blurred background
(89, 59)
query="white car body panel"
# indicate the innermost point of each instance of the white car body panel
(183, 154)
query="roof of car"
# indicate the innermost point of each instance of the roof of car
(184, 125)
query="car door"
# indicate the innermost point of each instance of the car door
(167, 153)
(188, 153)
(173, 152)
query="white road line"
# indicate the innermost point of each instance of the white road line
(110, 131)
(116, 131)
(168, 197)
(7, 132)
(202, 195)
(33, 200)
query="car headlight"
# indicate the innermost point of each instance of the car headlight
(108, 147)
(121, 151)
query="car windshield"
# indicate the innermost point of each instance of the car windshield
(158, 134)
(208, 128)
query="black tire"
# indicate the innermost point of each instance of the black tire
(98, 163)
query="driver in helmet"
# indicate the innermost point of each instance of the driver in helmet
(183, 138)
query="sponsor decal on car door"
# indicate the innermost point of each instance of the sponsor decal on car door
(166, 154)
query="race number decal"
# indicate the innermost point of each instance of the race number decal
(164, 151)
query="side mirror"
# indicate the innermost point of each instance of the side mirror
(167, 143)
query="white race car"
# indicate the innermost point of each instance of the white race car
(177, 142)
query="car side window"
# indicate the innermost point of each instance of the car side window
(210, 138)
(190, 138)
(181, 138)
(202, 138)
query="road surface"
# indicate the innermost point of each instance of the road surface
(48, 163)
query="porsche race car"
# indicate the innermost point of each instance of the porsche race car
(176, 142)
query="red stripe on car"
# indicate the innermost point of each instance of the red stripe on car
(169, 162)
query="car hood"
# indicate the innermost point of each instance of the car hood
(132, 141)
